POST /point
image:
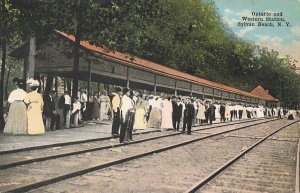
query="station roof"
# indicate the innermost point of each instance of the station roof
(156, 68)
(145, 64)
(260, 91)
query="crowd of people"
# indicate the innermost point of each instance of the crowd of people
(30, 112)
(130, 110)
(133, 111)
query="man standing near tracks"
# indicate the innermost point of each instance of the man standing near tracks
(189, 114)
(209, 112)
(177, 112)
(83, 99)
(126, 106)
(116, 102)
(222, 112)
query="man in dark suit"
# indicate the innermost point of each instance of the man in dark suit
(222, 112)
(177, 112)
(49, 110)
(208, 112)
(189, 114)
(173, 112)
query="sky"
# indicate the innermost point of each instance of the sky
(284, 39)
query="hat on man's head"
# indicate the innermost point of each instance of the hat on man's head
(118, 89)
(16, 80)
(125, 90)
(75, 98)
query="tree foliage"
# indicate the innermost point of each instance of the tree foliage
(186, 35)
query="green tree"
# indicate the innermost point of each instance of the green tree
(7, 34)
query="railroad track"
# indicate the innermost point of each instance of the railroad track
(57, 178)
(109, 138)
(268, 167)
(21, 158)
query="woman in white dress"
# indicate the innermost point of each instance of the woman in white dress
(201, 112)
(244, 114)
(140, 114)
(35, 104)
(17, 117)
(217, 112)
(166, 114)
(155, 113)
(227, 111)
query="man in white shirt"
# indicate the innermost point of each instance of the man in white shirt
(126, 105)
(115, 102)
(75, 112)
(66, 107)
(83, 100)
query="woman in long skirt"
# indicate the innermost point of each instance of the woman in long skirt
(166, 114)
(96, 108)
(155, 113)
(201, 113)
(140, 115)
(17, 117)
(227, 112)
(34, 109)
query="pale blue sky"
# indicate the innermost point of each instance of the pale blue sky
(286, 40)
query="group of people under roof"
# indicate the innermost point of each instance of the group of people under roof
(133, 111)
(129, 109)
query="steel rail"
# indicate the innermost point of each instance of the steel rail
(212, 175)
(40, 159)
(97, 139)
(53, 180)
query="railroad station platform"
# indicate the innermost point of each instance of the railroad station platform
(89, 132)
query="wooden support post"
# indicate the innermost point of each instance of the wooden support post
(127, 84)
(25, 73)
(213, 94)
(98, 90)
(56, 85)
(155, 85)
(175, 92)
(65, 83)
(69, 86)
(107, 88)
(191, 89)
(203, 92)
(89, 82)
(222, 97)
(31, 57)
(43, 83)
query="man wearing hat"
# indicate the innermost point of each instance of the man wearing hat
(116, 101)
(209, 112)
(127, 105)
(189, 114)
(177, 112)
(49, 109)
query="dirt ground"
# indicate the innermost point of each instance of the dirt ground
(171, 171)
